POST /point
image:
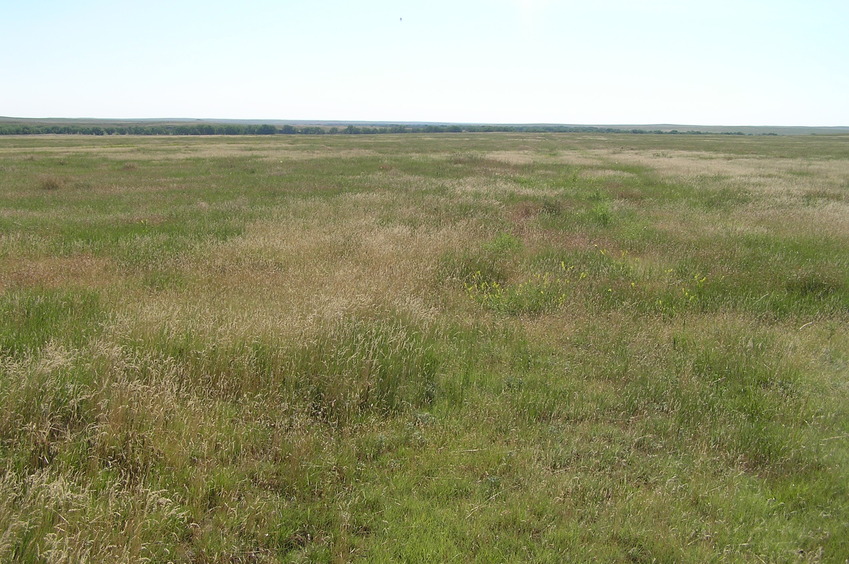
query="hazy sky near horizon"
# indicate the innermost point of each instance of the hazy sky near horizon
(716, 62)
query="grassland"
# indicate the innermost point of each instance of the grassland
(489, 347)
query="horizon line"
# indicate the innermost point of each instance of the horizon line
(410, 122)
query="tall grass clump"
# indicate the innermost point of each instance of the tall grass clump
(51, 183)
(47, 401)
(49, 517)
(364, 365)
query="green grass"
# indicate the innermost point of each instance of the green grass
(34, 317)
(482, 347)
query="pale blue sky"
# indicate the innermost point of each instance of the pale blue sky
(719, 62)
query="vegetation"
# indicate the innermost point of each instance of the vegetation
(490, 347)
(104, 127)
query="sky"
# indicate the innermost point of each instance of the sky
(711, 62)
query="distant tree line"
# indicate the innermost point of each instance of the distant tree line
(140, 129)
(266, 129)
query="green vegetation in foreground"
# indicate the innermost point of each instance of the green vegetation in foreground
(489, 347)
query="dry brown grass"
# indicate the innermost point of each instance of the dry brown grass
(52, 182)
(83, 270)
(773, 176)
(314, 262)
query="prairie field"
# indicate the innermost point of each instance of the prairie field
(424, 348)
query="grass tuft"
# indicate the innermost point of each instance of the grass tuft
(52, 182)
(360, 366)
